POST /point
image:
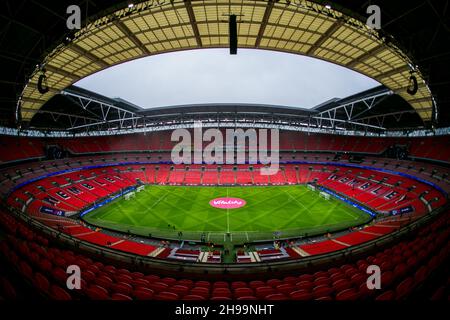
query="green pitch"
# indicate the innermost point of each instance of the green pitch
(164, 211)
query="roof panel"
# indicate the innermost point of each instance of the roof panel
(303, 28)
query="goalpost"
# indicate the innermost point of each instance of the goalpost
(140, 188)
(325, 195)
(129, 195)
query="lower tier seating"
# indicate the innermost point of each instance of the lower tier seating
(405, 267)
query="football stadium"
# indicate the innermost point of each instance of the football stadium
(320, 171)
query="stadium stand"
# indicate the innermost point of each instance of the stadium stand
(428, 148)
(406, 265)
(95, 171)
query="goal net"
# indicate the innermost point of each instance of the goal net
(129, 195)
(325, 195)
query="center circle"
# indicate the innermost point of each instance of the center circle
(227, 203)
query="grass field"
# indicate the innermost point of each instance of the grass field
(163, 211)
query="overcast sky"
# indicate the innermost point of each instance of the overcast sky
(215, 76)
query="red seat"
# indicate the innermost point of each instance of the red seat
(276, 296)
(7, 289)
(186, 282)
(333, 270)
(350, 272)
(200, 291)
(193, 297)
(291, 280)
(179, 290)
(362, 266)
(386, 266)
(301, 295)
(274, 282)
(321, 291)
(169, 281)
(262, 292)
(143, 294)
(104, 282)
(347, 294)
(60, 262)
(88, 275)
(387, 278)
(93, 268)
(388, 295)
(358, 278)
(204, 284)
(151, 278)
(137, 275)
(404, 288)
(238, 284)
(58, 293)
(26, 270)
(247, 298)
(421, 274)
(412, 263)
(321, 281)
(285, 288)
(408, 253)
(41, 282)
(96, 292)
(45, 265)
(158, 286)
(99, 265)
(222, 292)
(341, 285)
(400, 271)
(120, 296)
(59, 275)
(305, 285)
(324, 298)
(365, 292)
(243, 292)
(256, 283)
(220, 284)
(120, 277)
(164, 295)
(347, 266)
(337, 276)
(220, 298)
(109, 269)
(320, 274)
(139, 282)
(122, 288)
(305, 277)
(122, 271)
(34, 258)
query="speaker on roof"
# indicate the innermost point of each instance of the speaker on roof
(233, 34)
(413, 86)
(42, 83)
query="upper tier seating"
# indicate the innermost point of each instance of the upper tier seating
(436, 148)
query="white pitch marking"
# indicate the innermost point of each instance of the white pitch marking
(228, 217)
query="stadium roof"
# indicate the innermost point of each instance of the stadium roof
(77, 110)
(315, 29)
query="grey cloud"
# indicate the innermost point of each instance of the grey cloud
(214, 76)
